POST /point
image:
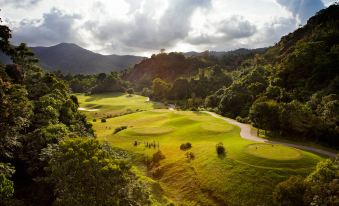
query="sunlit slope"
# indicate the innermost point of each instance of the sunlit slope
(114, 104)
(245, 176)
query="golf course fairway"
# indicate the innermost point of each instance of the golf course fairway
(245, 175)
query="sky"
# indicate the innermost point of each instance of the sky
(143, 27)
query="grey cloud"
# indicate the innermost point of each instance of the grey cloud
(19, 3)
(232, 28)
(145, 32)
(302, 9)
(237, 27)
(53, 28)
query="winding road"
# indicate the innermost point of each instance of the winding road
(245, 132)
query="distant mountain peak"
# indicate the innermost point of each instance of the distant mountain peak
(71, 58)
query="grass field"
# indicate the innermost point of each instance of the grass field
(116, 104)
(245, 175)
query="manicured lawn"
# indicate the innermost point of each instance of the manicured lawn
(114, 104)
(246, 175)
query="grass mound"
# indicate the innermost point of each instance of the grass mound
(217, 128)
(146, 131)
(274, 152)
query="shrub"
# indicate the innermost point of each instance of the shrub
(220, 149)
(186, 146)
(103, 120)
(290, 192)
(118, 129)
(130, 91)
(242, 120)
(94, 120)
(157, 157)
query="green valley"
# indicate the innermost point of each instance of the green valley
(245, 175)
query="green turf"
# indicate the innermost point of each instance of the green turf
(114, 104)
(244, 176)
(276, 152)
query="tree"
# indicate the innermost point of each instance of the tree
(130, 91)
(180, 89)
(321, 187)
(290, 192)
(323, 184)
(265, 115)
(160, 88)
(85, 174)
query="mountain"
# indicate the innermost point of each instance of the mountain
(167, 66)
(71, 58)
(170, 66)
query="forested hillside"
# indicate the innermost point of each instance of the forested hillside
(290, 90)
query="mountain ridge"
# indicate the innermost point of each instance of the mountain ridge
(71, 58)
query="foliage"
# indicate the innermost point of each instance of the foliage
(36, 111)
(321, 187)
(160, 88)
(220, 149)
(84, 173)
(130, 91)
(290, 192)
(186, 146)
(292, 88)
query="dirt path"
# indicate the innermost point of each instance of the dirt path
(245, 132)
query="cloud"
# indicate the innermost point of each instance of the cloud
(143, 31)
(302, 9)
(228, 29)
(53, 28)
(20, 3)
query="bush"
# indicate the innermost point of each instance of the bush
(130, 91)
(186, 146)
(118, 129)
(242, 120)
(94, 120)
(103, 120)
(157, 157)
(220, 149)
(290, 192)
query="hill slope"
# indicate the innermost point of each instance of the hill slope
(292, 89)
(70, 58)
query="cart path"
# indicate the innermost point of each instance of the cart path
(245, 132)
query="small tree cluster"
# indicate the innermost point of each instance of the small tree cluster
(118, 129)
(186, 146)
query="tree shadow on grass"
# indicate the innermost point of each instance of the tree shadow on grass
(222, 156)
